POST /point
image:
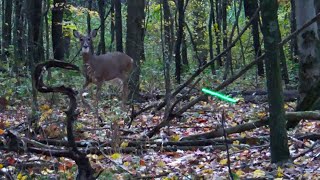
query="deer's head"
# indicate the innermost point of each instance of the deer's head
(85, 41)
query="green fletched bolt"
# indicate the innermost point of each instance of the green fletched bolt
(219, 95)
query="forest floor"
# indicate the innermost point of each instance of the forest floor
(156, 159)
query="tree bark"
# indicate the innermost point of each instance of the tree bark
(57, 35)
(250, 6)
(217, 30)
(118, 25)
(102, 12)
(200, 30)
(211, 21)
(135, 43)
(278, 133)
(6, 28)
(18, 37)
(112, 27)
(293, 27)
(309, 58)
(180, 5)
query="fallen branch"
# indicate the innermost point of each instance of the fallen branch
(290, 116)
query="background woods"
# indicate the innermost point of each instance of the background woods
(263, 53)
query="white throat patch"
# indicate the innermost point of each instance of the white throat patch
(85, 50)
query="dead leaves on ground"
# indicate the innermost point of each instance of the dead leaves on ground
(252, 162)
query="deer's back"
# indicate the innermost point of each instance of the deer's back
(112, 65)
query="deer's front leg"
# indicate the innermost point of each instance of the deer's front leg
(124, 94)
(97, 102)
(86, 84)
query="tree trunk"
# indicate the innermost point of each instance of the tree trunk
(277, 123)
(228, 59)
(211, 21)
(293, 27)
(6, 26)
(46, 20)
(89, 23)
(178, 43)
(34, 14)
(199, 26)
(118, 25)
(283, 61)
(102, 12)
(18, 37)
(167, 54)
(184, 53)
(309, 58)
(217, 30)
(250, 7)
(135, 42)
(57, 35)
(112, 28)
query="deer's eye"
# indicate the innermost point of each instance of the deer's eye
(89, 39)
(81, 39)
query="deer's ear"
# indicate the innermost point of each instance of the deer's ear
(94, 33)
(76, 34)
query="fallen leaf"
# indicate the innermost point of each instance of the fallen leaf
(124, 144)
(115, 156)
(280, 172)
(223, 161)
(258, 173)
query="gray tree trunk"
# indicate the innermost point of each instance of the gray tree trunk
(309, 59)
(277, 124)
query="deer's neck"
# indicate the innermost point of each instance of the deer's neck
(87, 65)
(87, 57)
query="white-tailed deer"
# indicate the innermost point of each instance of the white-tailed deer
(104, 67)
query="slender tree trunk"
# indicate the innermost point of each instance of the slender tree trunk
(135, 43)
(89, 22)
(278, 133)
(47, 30)
(250, 7)
(283, 61)
(199, 26)
(166, 54)
(17, 37)
(6, 26)
(57, 35)
(102, 12)
(217, 30)
(118, 25)
(112, 26)
(179, 40)
(293, 27)
(34, 15)
(211, 21)
(224, 27)
(184, 53)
